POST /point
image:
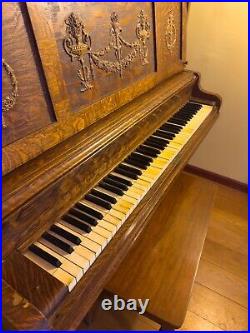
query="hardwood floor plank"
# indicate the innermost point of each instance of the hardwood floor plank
(120, 320)
(218, 309)
(230, 260)
(231, 201)
(223, 282)
(193, 322)
(228, 233)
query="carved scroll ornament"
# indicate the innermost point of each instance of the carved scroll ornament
(9, 101)
(78, 46)
(171, 33)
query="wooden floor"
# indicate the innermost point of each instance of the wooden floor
(219, 298)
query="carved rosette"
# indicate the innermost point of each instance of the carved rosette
(9, 101)
(171, 32)
(77, 45)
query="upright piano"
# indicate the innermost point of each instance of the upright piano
(99, 116)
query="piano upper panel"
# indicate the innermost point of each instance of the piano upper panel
(149, 42)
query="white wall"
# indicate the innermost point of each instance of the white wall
(217, 48)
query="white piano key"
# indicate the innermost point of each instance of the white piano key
(67, 265)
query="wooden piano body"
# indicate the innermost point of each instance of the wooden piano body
(83, 85)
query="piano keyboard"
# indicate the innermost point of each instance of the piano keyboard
(72, 244)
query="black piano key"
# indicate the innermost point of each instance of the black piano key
(141, 157)
(58, 242)
(65, 234)
(126, 173)
(44, 255)
(89, 210)
(76, 222)
(111, 188)
(178, 121)
(120, 180)
(171, 122)
(171, 128)
(163, 134)
(115, 183)
(130, 169)
(198, 106)
(100, 202)
(154, 144)
(186, 113)
(135, 163)
(161, 141)
(83, 216)
(104, 196)
(183, 116)
(152, 152)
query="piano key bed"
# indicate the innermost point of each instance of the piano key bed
(73, 243)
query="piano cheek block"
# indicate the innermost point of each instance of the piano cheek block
(43, 290)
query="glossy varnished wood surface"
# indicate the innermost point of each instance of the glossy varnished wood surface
(123, 241)
(77, 176)
(32, 282)
(72, 308)
(67, 122)
(163, 265)
(85, 144)
(33, 109)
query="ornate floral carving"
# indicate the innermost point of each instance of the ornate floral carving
(171, 33)
(77, 45)
(9, 101)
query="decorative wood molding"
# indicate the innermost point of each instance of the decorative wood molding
(77, 45)
(9, 101)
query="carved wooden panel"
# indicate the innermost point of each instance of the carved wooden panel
(169, 31)
(103, 47)
(133, 57)
(25, 107)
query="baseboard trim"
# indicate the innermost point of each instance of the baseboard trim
(217, 178)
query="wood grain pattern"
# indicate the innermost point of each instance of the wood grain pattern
(33, 110)
(33, 283)
(19, 313)
(194, 322)
(219, 310)
(106, 264)
(62, 161)
(69, 123)
(233, 287)
(27, 221)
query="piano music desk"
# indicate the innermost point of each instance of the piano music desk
(163, 264)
